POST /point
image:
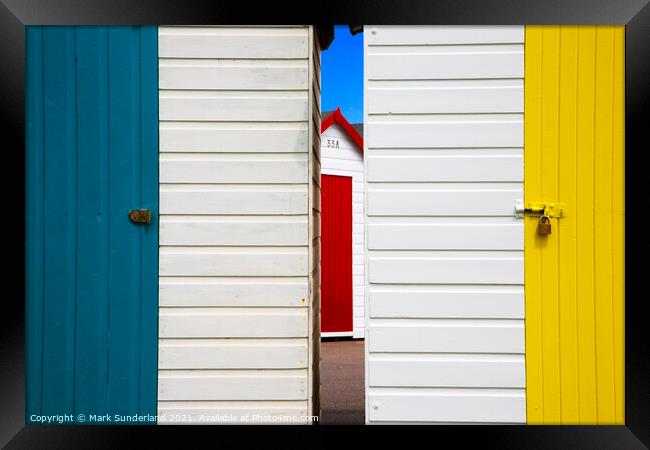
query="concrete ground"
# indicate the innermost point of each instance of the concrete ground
(342, 382)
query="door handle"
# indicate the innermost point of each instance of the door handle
(140, 216)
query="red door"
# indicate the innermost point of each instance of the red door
(336, 254)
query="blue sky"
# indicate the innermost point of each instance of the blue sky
(342, 74)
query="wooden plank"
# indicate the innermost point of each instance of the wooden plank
(446, 336)
(452, 236)
(464, 64)
(229, 412)
(232, 385)
(442, 202)
(242, 230)
(463, 302)
(210, 199)
(448, 406)
(233, 138)
(472, 371)
(443, 34)
(210, 291)
(446, 99)
(474, 168)
(233, 106)
(227, 74)
(585, 283)
(233, 261)
(427, 133)
(242, 43)
(215, 168)
(232, 354)
(444, 270)
(199, 322)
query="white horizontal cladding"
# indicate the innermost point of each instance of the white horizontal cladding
(232, 385)
(187, 230)
(233, 291)
(220, 168)
(233, 261)
(433, 63)
(444, 97)
(209, 412)
(231, 353)
(242, 106)
(235, 43)
(235, 228)
(446, 336)
(473, 269)
(431, 132)
(462, 302)
(447, 370)
(474, 200)
(447, 405)
(228, 74)
(445, 236)
(444, 167)
(443, 35)
(231, 137)
(233, 199)
(454, 168)
(199, 322)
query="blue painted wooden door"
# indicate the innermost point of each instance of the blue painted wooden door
(92, 275)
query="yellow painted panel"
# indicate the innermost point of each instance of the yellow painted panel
(574, 278)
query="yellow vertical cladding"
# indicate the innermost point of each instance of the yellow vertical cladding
(574, 278)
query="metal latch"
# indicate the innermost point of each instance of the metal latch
(555, 210)
(140, 216)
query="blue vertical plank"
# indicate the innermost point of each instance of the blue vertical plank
(59, 209)
(92, 275)
(34, 191)
(93, 232)
(124, 181)
(149, 260)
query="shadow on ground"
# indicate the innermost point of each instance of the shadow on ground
(342, 382)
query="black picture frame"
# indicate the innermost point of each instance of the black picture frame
(15, 14)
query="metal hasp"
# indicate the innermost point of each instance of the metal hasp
(551, 210)
(140, 216)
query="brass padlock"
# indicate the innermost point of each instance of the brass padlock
(140, 216)
(544, 225)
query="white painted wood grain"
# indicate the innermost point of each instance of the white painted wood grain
(216, 168)
(230, 74)
(448, 405)
(215, 43)
(447, 236)
(477, 201)
(227, 230)
(445, 270)
(465, 99)
(216, 137)
(200, 322)
(234, 291)
(446, 336)
(210, 412)
(442, 34)
(211, 199)
(233, 106)
(233, 261)
(473, 371)
(446, 134)
(232, 354)
(447, 302)
(474, 168)
(232, 385)
(461, 64)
